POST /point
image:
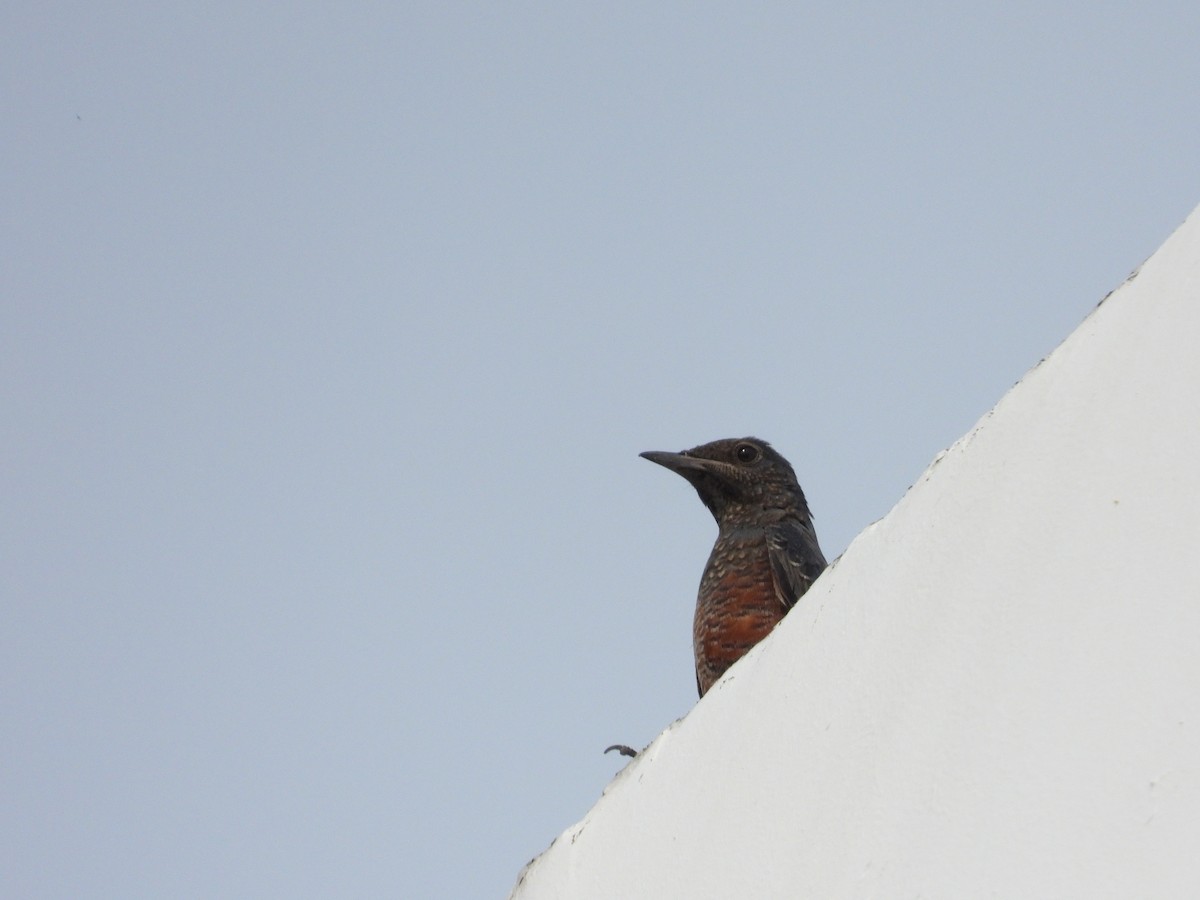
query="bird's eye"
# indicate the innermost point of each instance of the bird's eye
(746, 453)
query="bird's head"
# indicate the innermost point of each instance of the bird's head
(743, 481)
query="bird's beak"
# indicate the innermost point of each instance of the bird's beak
(677, 462)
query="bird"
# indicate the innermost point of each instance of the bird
(766, 554)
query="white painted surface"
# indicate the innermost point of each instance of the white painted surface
(994, 693)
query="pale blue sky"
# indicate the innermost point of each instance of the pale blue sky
(330, 336)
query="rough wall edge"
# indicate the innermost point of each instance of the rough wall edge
(550, 872)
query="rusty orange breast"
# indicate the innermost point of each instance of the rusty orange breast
(737, 607)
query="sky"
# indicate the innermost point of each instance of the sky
(330, 336)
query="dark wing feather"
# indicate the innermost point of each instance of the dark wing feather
(796, 559)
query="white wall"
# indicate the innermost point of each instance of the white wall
(995, 692)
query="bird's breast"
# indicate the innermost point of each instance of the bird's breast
(736, 608)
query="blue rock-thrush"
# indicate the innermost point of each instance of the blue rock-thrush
(766, 554)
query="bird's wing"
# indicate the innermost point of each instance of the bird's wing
(796, 559)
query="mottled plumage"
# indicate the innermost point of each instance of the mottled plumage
(766, 554)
